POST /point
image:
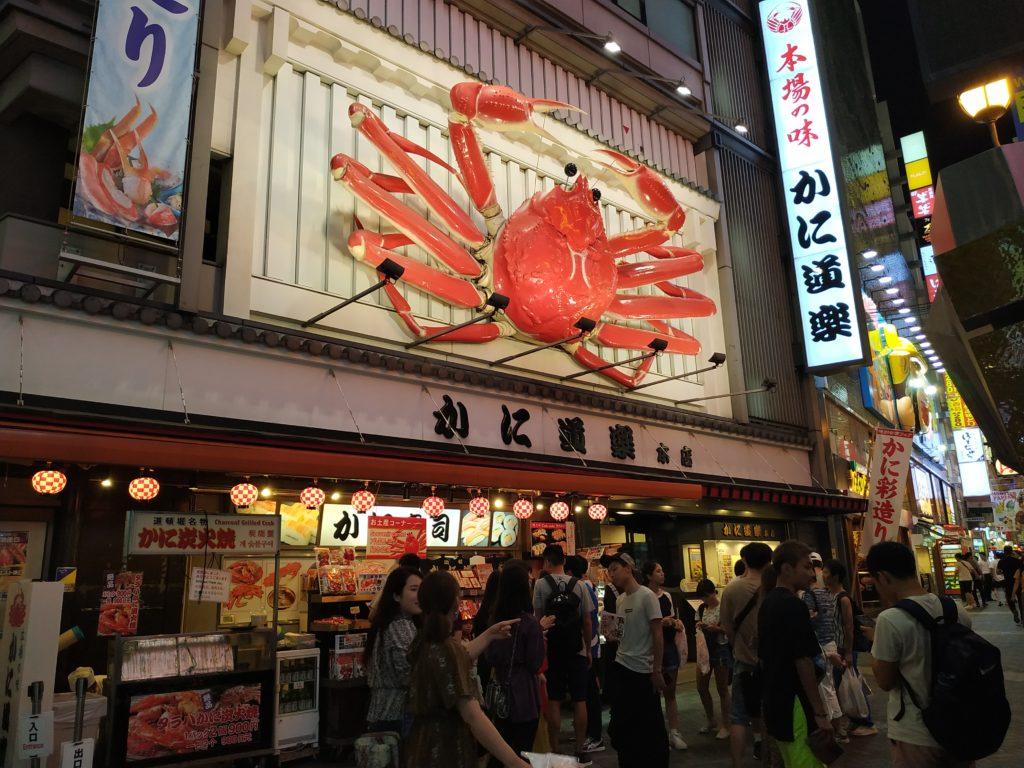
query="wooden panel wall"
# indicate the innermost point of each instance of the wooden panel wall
(456, 36)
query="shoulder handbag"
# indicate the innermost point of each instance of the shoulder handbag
(498, 696)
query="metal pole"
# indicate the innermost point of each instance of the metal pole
(995, 134)
(80, 684)
(317, 318)
(636, 359)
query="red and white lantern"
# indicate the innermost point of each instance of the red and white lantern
(559, 511)
(364, 500)
(144, 488)
(244, 494)
(312, 497)
(49, 481)
(433, 505)
(479, 506)
(598, 512)
(523, 509)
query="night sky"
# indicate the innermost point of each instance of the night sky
(951, 136)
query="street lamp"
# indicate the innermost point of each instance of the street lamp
(987, 103)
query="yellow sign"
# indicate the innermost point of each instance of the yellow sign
(919, 174)
(858, 483)
(960, 416)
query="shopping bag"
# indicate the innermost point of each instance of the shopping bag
(703, 654)
(851, 694)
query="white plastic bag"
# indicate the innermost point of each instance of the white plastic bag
(550, 760)
(851, 694)
(703, 654)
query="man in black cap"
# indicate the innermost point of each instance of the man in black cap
(637, 726)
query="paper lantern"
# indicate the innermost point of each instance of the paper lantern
(433, 505)
(144, 488)
(523, 509)
(244, 494)
(479, 506)
(559, 511)
(598, 512)
(363, 500)
(49, 481)
(312, 497)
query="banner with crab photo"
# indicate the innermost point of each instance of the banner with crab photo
(131, 164)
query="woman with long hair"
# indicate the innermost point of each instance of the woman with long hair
(517, 661)
(447, 720)
(484, 619)
(654, 579)
(720, 656)
(392, 630)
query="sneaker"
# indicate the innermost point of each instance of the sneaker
(592, 745)
(675, 740)
(864, 730)
(582, 760)
(757, 750)
(842, 739)
(723, 733)
(709, 728)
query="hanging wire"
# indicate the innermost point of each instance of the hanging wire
(768, 464)
(713, 457)
(347, 406)
(21, 360)
(568, 442)
(802, 467)
(177, 372)
(446, 420)
(681, 472)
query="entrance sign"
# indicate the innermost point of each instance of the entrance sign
(35, 735)
(131, 168)
(890, 465)
(826, 280)
(172, 533)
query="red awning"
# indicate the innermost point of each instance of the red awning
(220, 453)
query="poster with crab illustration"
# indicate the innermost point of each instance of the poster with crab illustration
(132, 160)
(251, 590)
(182, 723)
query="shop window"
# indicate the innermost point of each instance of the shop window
(634, 8)
(215, 231)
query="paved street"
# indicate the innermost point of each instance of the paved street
(994, 623)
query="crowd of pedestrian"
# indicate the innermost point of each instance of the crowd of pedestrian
(781, 643)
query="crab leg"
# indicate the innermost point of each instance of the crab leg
(688, 304)
(623, 337)
(397, 149)
(406, 220)
(588, 359)
(649, 272)
(471, 334)
(498, 108)
(130, 139)
(372, 248)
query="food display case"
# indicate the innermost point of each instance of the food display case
(947, 553)
(298, 698)
(188, 697)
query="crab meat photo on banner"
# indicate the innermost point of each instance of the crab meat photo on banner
(134, 140)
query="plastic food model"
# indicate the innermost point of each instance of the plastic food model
(551, 258)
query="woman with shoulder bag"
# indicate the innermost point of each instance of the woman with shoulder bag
(850, 638)
(719, 658)
(511, 695)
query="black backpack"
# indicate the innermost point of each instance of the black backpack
(566, 637)
(968, 714)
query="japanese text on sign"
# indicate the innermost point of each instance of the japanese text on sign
(832, 335)
(887, 483)
(164, 533)
(388, 538)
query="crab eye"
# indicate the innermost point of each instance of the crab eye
(596, 194)
(571, 169)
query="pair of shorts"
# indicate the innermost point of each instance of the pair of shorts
(670, 657)
(746, 694)
(966, 588)
(720, 655)
(568, 678)
(797, 753)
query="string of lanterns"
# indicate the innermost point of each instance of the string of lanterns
(243, 495)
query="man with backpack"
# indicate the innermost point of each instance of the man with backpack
(568, 675)
(947, 703)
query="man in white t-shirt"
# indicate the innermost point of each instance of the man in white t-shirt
(637, 726)
(903, 654)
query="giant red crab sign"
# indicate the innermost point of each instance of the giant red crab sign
(552, 257)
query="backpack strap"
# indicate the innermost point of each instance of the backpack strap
(929, 622)
(745, 612)
(700, 612)
(550, 581)
(571, 586)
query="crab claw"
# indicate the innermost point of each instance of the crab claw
(645, 187)
(500, 108)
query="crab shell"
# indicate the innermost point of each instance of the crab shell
(551, 256)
